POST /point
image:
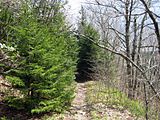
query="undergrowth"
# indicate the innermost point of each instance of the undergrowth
(98, 93)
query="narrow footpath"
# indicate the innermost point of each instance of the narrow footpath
(80, 110)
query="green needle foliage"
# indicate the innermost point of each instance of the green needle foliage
(88, 52)
(45, 64)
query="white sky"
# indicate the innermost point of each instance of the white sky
(75, 5)
(74, 8)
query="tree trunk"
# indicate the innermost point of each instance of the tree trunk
(155, 23)
(127, 40)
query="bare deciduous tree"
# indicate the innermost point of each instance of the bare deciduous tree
(126, 31)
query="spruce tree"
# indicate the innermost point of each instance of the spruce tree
(88, 50)
(45, 64)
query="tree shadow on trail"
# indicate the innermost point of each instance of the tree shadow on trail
(82, 78)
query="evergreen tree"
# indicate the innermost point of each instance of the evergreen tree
(6, 49)
(88, 51)
(45, 64)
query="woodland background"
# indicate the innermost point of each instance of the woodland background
(115, 42)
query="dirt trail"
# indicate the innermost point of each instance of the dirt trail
(81, 111)
(79, 106)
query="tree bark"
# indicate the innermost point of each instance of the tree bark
(128, 11)
(155, 23)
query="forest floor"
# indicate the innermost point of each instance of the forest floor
(82, 110)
